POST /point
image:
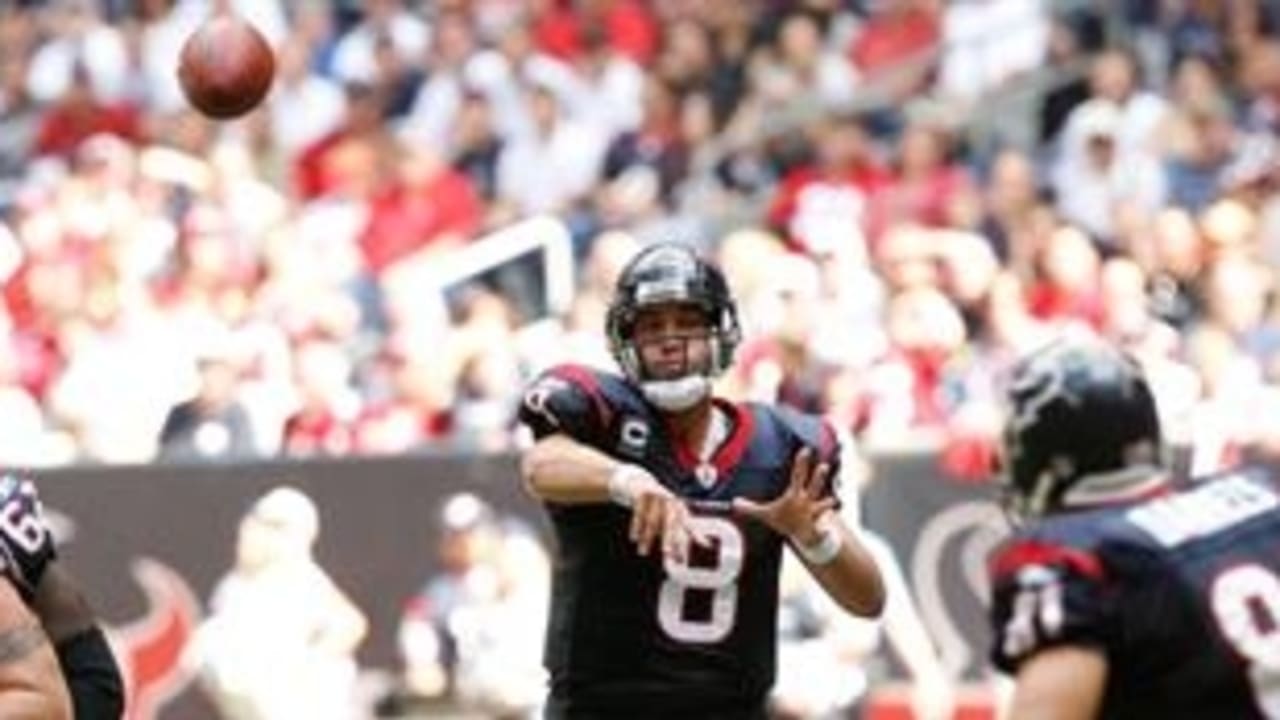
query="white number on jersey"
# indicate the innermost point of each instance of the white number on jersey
(720, 579)
(1246, 605)
(536, 397)
(1037, 609)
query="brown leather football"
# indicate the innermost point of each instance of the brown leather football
(226, 67)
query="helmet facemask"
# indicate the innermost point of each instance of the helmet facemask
(691, 381)
(667, 278)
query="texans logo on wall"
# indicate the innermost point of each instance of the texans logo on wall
(150, 648)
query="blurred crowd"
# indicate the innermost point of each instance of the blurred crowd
(905, 194)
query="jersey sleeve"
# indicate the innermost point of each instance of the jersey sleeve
(819, 436)
(1046, 595)
(566, 399)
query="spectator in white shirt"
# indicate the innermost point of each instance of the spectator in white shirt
(1096, 177)
(353, 58)
(555, 166)
(986, 42)
(305, 106)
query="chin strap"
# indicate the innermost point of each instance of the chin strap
(677, 395)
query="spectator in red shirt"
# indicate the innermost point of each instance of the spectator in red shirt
(328, 405)
(896, 47)
(823, 205)
(429, 208)
(1068, 284)
(629, 25)
(926, 188)
(79, 115)
(319, 169)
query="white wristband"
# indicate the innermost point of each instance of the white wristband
(825, 550)
(622, 483)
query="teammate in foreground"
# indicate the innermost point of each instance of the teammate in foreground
(671, 508)
(1124, 595)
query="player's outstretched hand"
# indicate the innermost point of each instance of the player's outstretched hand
(795, 513)
(658, 515)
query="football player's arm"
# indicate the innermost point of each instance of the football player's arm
(566, 467)
(92, 676)
(1053, 613)
(1062, 683)
(563, 466)
(31, 567)
(562, 470)
(31, 685)
(852, 578)
(805, 515)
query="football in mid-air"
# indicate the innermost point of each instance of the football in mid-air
(226, 67)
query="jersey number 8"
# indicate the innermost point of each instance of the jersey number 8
(719, 579)
(1246, 604)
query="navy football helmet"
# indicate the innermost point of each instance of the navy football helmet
(1081, 429)
(663, 274)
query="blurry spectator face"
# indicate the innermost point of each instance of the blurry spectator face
(842, 144)
(610, 252)
(969, 266)
(321, 371)
(1124, 299)
(924, 319)
(1195, 82)
(1007, 312)
(800, 41)
(1236, 294)
(80, 93)
(1261, 73)
(386, 58)
(659, 104)
(474, 121)
(1215, 134)
(906, 259)
(697, 119)
(923, 149)
(13, 81)
(454, 40)
(380, 12)
(102, 301)
(218, 381)
(1013, 182)
(1070, 260)
(1102, 150)
(1228, 226)
(419, 164)
(544, 108)
(673, 340)
(292, 61)
(1112, 77)
(1177, 243)
(688, 51)
(516, 43)
(364, 108)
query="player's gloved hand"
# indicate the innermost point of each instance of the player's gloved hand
(657, 514)
(797, 512)
(26, 545)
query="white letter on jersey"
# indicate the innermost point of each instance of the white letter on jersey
(1204, 511)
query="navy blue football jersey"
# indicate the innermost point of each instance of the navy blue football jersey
(1181, 592)
(643, 636)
